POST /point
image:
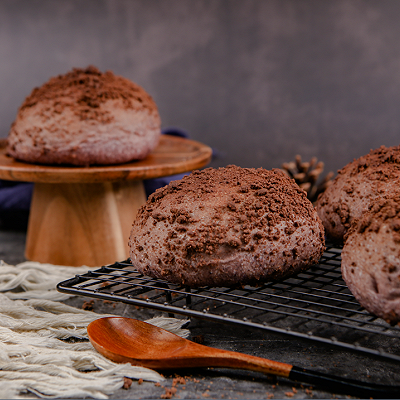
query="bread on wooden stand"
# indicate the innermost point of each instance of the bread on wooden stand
(85, 117)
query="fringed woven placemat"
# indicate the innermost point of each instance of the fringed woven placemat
(44, 350)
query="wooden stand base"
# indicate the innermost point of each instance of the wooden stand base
(82, 223)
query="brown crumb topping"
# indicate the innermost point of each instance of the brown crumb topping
(385, 209)
(84, 90)
(379, 164)
(262, 199)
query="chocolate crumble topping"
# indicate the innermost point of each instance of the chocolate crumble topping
(84, 90)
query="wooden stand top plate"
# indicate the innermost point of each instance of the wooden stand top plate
(173, 155)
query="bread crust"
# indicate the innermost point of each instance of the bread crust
(371, 259)
(225, 227)
(356, 187)
(85, 117)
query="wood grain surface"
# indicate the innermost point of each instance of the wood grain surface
(82, 223)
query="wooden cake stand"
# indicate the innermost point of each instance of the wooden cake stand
(83, 215)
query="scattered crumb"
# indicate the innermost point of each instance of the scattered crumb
(309, 391)
(158, 384)
(88, 305)
(110, 302)
(140, 381)
(270, 395)
(169, 393)
(294, 390)
(127, 383)
(181, 380)
(289, 394)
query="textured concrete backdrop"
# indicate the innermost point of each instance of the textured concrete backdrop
(258, 80)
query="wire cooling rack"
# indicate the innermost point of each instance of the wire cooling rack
(314, 305)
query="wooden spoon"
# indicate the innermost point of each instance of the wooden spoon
(127, 340)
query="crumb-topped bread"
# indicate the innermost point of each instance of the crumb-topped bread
(227, 226)
(357, 186)
(371, 259)
(85, 117)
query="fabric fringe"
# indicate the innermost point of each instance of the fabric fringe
(35, 357)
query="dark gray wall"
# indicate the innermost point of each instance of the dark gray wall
(258, 80)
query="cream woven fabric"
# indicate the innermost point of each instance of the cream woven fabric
(35, 359)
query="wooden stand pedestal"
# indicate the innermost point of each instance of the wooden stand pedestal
(82, 223)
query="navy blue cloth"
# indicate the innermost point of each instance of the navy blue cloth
(15, 201)
(151, 185)
(15, 197)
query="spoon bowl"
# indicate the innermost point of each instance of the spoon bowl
(139, 343)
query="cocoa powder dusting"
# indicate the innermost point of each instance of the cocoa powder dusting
(83, 90)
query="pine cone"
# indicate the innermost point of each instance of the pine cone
(306, 175)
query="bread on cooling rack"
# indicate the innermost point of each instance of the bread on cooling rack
(225, 227)
(357, 186)
(371, 259)
(85, 117)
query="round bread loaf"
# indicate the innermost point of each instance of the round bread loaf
(371, 259)
(357, 186)
(85, 117)
(225, 227)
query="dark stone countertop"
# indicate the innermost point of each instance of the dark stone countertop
(216, 383)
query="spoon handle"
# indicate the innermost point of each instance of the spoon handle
(326, 381)
(209, 356)
(344, 385)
